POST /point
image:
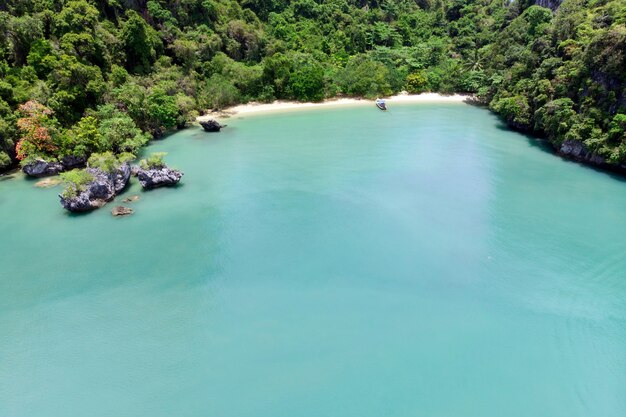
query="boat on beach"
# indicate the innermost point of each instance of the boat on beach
(380, 103)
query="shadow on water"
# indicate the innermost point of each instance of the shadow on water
(472, 101)
(78, 214)
(613, 173)
(176, 186)
(544, 145)
(144, 151)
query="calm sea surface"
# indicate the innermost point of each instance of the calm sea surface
(424, 262)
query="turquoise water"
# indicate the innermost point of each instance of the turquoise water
(424, 262)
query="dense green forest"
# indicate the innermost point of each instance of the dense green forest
(88, 76)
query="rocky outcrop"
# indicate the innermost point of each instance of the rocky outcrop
(103, 188)
(211, 125)
(120, 178)
(550, 4)
(41, 168)
(576, 150)
(122, 211)
(158, 177)
(71, 162)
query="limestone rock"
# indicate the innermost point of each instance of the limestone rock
(41, 168)
(70, 162)
(578, 151)
(550, 4)
(162, 177)
(211, 125)
(97, 193)
(121, 177)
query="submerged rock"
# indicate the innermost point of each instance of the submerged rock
(41, 168)
(122, 211)
(211, 125)
(48, 182)
(130, 199)
(98, 192)
(158, 177)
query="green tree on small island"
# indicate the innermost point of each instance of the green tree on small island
(108, 162)
(111, 75)
(75, 182)
(153, 161)
(154, 173)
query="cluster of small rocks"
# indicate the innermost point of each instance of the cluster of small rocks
(119, 211)
(105, 187)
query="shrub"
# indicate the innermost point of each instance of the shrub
(83, 138)
(515, 110)
(119, 130)
(365, 77)
(555, 118)
(219, 92)
(307, 82)
(105, 161)
(125, 157)
(118, 75)
(75, 181)
(417, 82)
(162, 109)
(154, 161)
(5, 160)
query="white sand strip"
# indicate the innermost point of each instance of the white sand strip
(294, 105)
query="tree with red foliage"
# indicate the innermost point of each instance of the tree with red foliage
(36, 127)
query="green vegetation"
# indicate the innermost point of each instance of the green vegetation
(107, 161)
(154, 161)
(563, 75)
(75, 182)
(79, 77)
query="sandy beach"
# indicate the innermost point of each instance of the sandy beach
(279, 105)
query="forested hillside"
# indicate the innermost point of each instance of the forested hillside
(85, 76)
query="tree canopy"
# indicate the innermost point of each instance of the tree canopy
(89, 76)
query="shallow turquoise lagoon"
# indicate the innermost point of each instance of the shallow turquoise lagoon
(424, 262)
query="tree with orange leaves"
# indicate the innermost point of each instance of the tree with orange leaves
(36, 128)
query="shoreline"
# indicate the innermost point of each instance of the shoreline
(281, 105)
